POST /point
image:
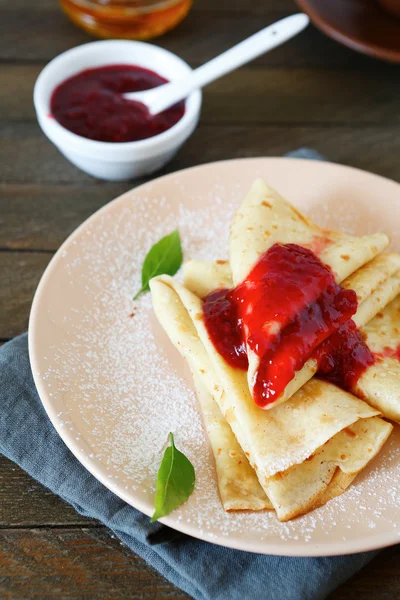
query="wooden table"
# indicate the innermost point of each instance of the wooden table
(311, 92)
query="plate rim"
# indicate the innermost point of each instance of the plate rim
(305, 549)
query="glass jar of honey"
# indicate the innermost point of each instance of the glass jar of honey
(128, 19)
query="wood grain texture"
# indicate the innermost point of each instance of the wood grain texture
(259, 95)
(54, 33)
(75, 564)
(20, 275)
(41, 217)
(25, 503)
(86, 563)
(36, 35)
(358, 145)
(380, 580)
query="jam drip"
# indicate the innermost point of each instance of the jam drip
(343, 357)
(225, 328)
(289, 304)
(288, 310)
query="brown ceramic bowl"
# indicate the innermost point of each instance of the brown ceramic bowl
(363, 25)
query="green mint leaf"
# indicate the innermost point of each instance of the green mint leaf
(175, 481)
(164, 258)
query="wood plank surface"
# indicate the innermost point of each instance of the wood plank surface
(310, 92)
(42, 563)
(26, 503)
(259, 95)
(32, 35)
(41, 217)
(21, 273)
(353, 144)
(380, 580)
(75, 563)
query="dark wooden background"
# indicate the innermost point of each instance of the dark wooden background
(310, 92)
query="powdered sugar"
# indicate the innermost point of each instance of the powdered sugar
(117, 387)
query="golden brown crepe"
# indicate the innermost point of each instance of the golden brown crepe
(376, 284)
(330, 471)
(237, 482)
(380, 383)
(309, 446)
(278, 439)
(265, 218)
(238, 485)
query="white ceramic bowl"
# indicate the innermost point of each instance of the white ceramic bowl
(106, 160)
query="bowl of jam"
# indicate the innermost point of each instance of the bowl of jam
(80, 106)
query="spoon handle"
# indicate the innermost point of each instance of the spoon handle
(257, 44)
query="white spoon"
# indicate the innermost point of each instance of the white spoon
(162, 97)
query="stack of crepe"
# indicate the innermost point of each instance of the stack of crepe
(312, 441)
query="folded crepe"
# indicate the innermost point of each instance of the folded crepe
(237, 482)
(330, 471)
(307, 450)
(376, 284)
(238, 485)
(323, 476)
(380, 383)
(264, 223)
(291, 447)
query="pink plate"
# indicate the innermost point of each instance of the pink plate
(114, 387)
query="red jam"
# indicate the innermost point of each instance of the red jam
(91, 105)
(225, 328)
(289, 304)
(343, 357)
(290, 309)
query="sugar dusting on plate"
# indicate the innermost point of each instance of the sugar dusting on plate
(123, 387)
